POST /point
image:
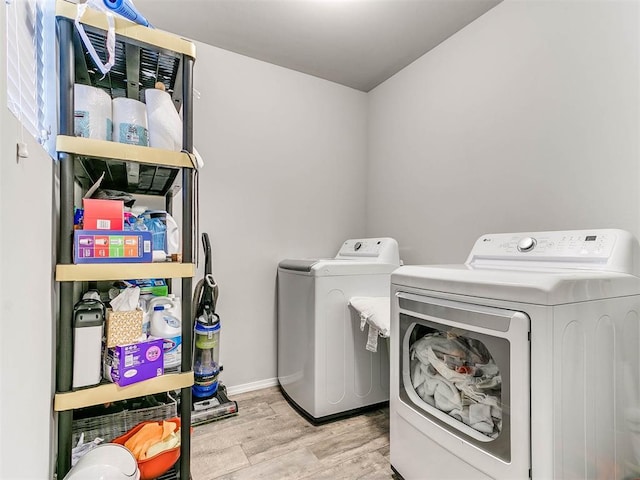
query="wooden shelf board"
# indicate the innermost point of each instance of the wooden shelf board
(91, 147)
(111, 392)
(122, 271)
(125, 28)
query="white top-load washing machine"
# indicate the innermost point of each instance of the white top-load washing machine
(323, 366)
(523, 362)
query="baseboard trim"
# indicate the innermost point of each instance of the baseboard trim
(249, 387)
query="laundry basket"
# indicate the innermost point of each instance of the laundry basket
(112, 425)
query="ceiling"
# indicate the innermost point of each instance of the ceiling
(357, 43)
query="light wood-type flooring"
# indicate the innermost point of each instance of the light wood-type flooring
(268, 439)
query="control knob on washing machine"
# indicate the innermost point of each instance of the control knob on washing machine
(526, 244)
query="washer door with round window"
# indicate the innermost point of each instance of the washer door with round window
(464, 369)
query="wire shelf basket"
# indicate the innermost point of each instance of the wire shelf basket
(113, 425)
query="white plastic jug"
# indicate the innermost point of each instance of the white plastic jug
(172, 301)
(166, 324)
(173, 235)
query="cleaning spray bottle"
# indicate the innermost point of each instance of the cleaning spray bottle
(166, 324)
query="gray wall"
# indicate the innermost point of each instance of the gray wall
(525, 120)
(284, 177)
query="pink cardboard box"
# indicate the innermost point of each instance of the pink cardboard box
(127, 364)
(100, 214)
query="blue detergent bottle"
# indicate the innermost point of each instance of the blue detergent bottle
(155, 222)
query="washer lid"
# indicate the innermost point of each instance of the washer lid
(540, 287)
(335, 267)
(356, 257)
(297, 265)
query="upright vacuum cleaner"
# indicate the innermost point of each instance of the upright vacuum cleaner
(209, 396)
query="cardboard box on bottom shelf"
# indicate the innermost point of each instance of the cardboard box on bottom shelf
(128, 364)
(113, 246)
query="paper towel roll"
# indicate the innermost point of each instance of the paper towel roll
(165, 126)
(130, 122)
(92, 112)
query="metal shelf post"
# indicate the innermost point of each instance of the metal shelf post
(187, 256)
(64, 348)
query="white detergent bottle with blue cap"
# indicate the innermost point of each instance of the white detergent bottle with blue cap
(166, 324)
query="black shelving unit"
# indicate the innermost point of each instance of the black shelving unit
(144, 56)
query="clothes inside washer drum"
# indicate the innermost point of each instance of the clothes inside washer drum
(460, 379)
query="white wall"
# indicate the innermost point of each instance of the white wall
(527, 119)
(284, 177)
(26, 325)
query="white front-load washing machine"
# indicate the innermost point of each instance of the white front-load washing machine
(524, 362)
(324, 368)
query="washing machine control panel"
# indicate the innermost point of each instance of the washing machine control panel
(363, 248)
(566, 246)
(382, 250)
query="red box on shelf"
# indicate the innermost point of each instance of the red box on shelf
(100, 214)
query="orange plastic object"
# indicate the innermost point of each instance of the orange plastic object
(159, 464)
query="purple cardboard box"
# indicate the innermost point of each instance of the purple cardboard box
(112, 246)
(127, 364)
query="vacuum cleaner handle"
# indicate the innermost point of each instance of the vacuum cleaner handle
(207, 254)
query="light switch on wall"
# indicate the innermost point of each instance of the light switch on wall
(22, 150)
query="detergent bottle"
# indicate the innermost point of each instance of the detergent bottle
(166, 324)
